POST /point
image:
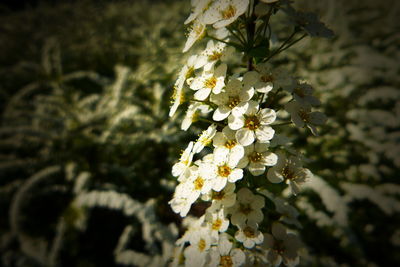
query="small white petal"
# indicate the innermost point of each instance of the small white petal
(221, 113)
(245, 136)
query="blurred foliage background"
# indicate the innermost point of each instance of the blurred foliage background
(87, 146)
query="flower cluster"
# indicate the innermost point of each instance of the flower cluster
(245, 107)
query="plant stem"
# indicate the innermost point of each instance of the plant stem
(210, 121)
(281, 124)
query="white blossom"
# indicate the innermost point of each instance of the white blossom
(289, 169)
(249, 234)
(225, 144)
(234, 99)
(302, 115)
(209, 81)
(212, 54)
(205, 138)
(225, 255)
(221, 171)
(217, 221)
(180, 168)
(197, 31)
(225, 198)
(265, 78)
(223, 12)
(247, 208)
(257, 157)
(281, 246)
(192, 114)
(178, 96)
(253, 124)
(198, 8)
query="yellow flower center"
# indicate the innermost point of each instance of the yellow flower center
(224, 171)
(299, 91)
(218, 195)
(229, 12)
(216, 224)
(230, 144)
(267, 78)
(249, 232)
(255, 157)
(198, 183)
(279, 246)
(198, 30)
(210, 82)
(304, 115)
(245, 208)
(202, 244)
(233, 101)
(226, 261)
(214, 56)
(251, 122)
(288, 173)
(189, 72)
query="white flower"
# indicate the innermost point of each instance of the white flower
(213, 53)
(223, 12)
(205, 138)
(217, 222)
(192, 114)
(182, 167)
(288, 213)
(290, 170)
(257, 157)
(253, 124)
(302, 93)
(302, 115)
(225, 144)
(233, 99)
(221, 171)
(281, 246)
(197, 31)
(198, 8)
(180, 203)
(178, 94)
(249, 235)
(225, 198)
(247, 208)
(209, 81)
(196, 185)
(265, 78)
(225, 256)
(309, 22)
(197, 253)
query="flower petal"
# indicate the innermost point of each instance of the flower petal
(221, 113)
(245, 136)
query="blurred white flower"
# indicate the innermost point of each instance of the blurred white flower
(281, 246)
(247, 208)
(289, 169)
(302, 115)
(197, 31)
(223, 255)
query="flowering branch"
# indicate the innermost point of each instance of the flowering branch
(247, 154)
